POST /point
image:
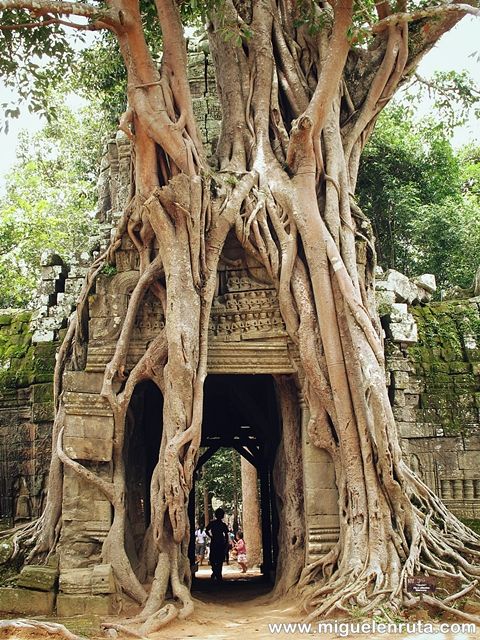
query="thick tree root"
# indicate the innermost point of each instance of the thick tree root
(25, 628)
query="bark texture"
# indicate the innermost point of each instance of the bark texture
(299, 98)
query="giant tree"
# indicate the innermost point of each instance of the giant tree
(300, 85)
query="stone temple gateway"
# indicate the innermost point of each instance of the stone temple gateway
(251, 363)
(252, 404)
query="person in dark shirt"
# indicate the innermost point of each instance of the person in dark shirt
(217, 530)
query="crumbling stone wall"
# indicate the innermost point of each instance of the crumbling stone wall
(435, 392)
(26, 415)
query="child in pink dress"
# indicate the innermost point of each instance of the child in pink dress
(241, 550)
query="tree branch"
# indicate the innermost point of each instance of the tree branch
(41, 7)
(174, 64)
(431, 12)
(331, 72)
(93, 26)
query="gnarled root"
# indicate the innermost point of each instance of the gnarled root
(25, 628)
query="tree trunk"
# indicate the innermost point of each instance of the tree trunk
(251, 513)
(298, 104)
(206, 506)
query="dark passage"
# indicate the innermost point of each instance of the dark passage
(240, 412)
(142, 445)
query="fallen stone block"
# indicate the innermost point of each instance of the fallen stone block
(41, 578)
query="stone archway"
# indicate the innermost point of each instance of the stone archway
(141, 449)
(247, 341)
(241, 413)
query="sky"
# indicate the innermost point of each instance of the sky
(458, 49)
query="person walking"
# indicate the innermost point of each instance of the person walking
(241, 550)
(217, 530)
(200, 544)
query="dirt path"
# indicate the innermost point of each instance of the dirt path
(241, 608)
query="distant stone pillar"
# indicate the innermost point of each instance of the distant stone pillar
(251, 513)
(468, 490)
(458, 489)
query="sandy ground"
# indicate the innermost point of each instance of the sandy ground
(240, 607)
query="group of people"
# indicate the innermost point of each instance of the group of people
(223, 541)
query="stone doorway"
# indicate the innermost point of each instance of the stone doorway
(241, 413)
(142, 445)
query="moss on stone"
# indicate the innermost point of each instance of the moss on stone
(22, 363)
(446, 358)
(5, 319)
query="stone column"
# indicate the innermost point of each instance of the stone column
(321, 494)
(251, 513)
(468, 490)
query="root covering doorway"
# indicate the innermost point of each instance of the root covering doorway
(240, 413)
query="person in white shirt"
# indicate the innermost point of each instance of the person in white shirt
(200, 544)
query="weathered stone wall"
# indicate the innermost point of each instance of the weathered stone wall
(26, 414)
(435, 393)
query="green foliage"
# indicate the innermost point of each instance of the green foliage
(447, 238)
(473, 524)
(221, 477)
(34, 60)
(454, 94)
(102, 77)
(422, 199)
(49, 201)
(109, 270)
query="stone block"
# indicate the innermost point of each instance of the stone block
(404, 332)
(469, 459)
(27, 601)
(405, 291)
(319, 476)
(85, 508)
(81, 448)
(83, 381)
(88, 437)
(324, 521)
(76, 581)
(321, 502)
(426, 281)
(472, 443)
(43, 392)
(103, 580)
(42, 335)
(43, 412)
(71, 605)
(447, 464)
(75, 554)
(399, 398)
(40, 578)
(415, 429)
(405, 414)
(401, 379)
(412, 399)
(383, 285)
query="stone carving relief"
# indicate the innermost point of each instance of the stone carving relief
(245, 308)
